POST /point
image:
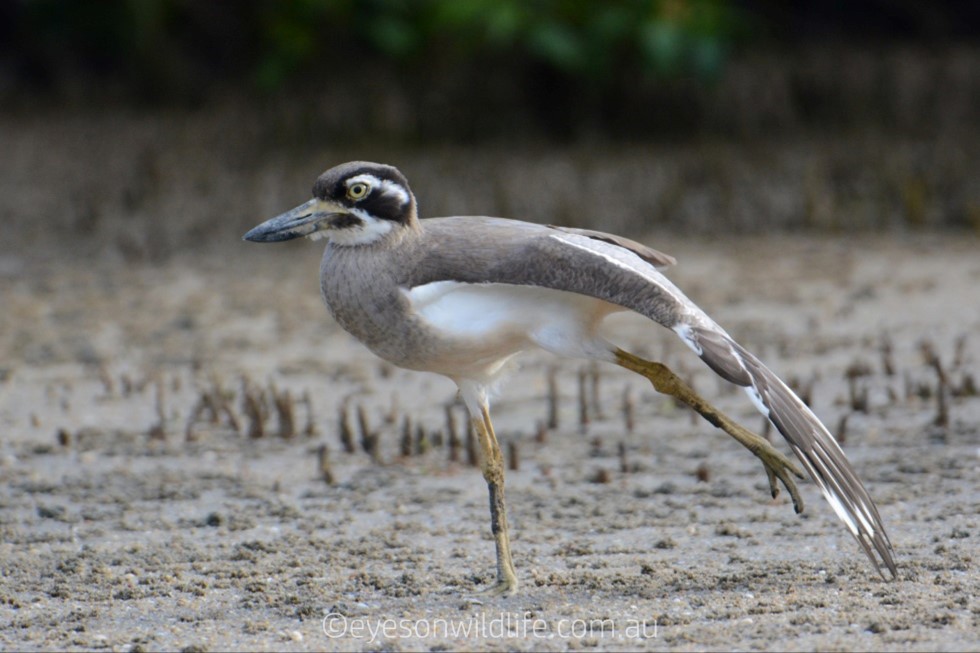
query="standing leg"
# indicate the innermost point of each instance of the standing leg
(493, 472)
(665, 381)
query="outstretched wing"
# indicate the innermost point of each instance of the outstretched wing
(613, 269)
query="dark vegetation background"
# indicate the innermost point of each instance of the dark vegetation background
(140, 127)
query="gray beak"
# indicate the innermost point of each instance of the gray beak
(304, 220)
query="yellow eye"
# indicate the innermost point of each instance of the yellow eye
(358, 190)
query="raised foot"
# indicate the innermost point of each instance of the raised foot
(778, 467)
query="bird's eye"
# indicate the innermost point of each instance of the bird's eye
(357, 190)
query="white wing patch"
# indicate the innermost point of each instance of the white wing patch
(630, 262)
(623, 259)
(685, 333)
(756, 400)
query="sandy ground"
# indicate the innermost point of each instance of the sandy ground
(133, 517)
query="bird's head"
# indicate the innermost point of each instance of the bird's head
(355, 203)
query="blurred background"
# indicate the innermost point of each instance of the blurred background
(171, 398)
(135, 129)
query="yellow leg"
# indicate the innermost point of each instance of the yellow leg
(665, 381)
(493, 472)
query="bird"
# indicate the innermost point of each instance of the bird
(461, 296)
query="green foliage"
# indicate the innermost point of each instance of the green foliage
(590, 40)
(288, 39)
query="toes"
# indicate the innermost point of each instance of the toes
(500, 588)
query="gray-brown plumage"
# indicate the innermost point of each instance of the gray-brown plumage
(461, 295)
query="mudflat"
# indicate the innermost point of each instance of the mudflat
(175, 475)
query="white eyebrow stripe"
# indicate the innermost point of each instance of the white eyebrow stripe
(389, 187)
(365, 178)
(386, 186)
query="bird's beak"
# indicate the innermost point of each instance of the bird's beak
(305, 220)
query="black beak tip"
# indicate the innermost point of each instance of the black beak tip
(259, 235)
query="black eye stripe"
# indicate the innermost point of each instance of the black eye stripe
(384, 206)
(386, 195)
(347, 221)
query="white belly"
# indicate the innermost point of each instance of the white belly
(485, 324)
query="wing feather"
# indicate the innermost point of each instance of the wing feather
(625, 273)
(654, 257)
(809, 439)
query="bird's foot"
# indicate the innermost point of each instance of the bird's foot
(779, 468)
(505, 586)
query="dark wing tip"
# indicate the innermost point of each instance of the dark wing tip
(829, 468)
(809, 439)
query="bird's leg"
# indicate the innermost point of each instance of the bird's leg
(493, 472)
(665, 381)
